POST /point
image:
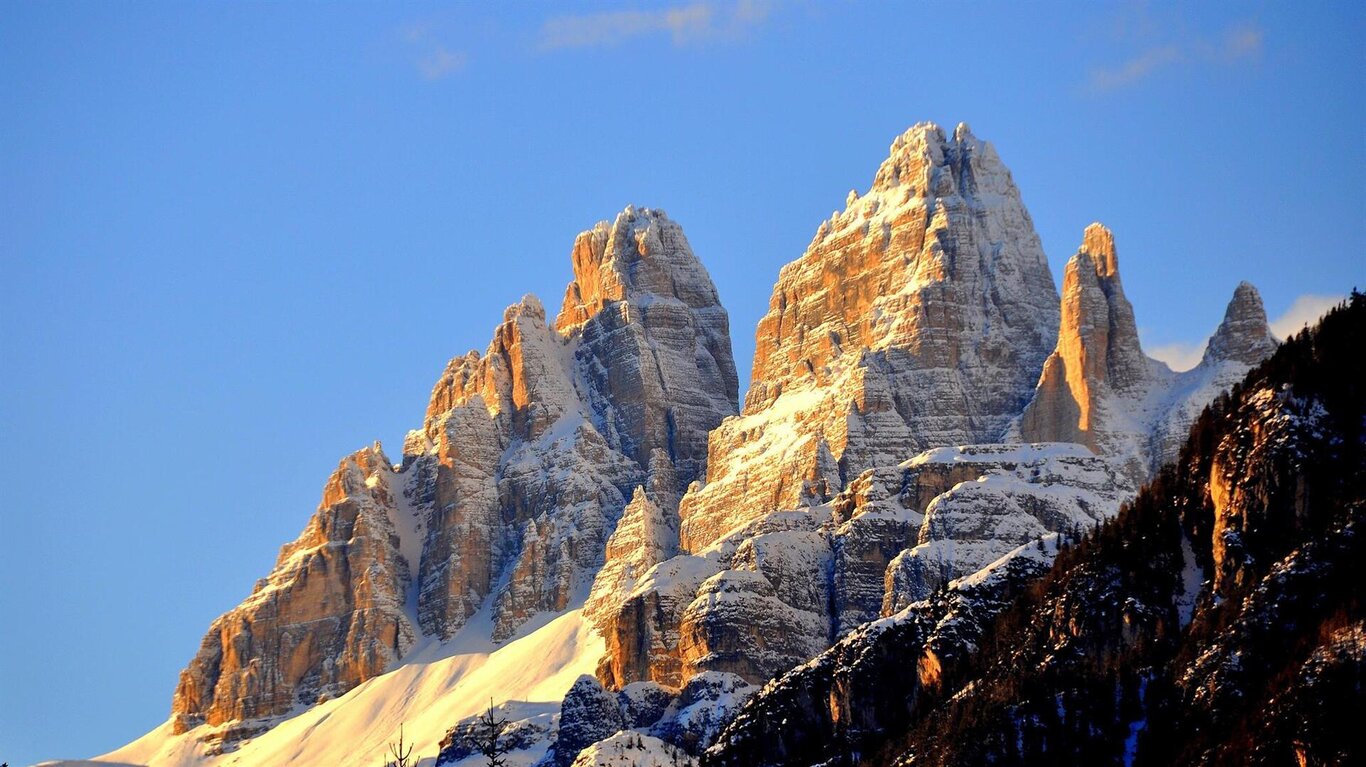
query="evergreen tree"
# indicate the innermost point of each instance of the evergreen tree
(399, 755)
(487, 738)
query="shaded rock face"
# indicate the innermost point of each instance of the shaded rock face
(686, 719)
(1098, 357)
(329, 616)
(1244, 335)
(638, 363)
(782, 588)
(918, 317)
(646, 535)
(1216, 620)
(1099, 389)
(588, 714)
(508, 494)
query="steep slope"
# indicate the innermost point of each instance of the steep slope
(505, 498)
(918, 317)
(329, 616)
(1099, 389)
(1199, 627)
(436, 687)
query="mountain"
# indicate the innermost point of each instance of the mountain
(1216, 620)
(587, 535)
(918, 317)
(504, 499)
(1099, 389)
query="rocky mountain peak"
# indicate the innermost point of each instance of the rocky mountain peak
(918, 316)
(506, 498)
(1244, 335)
(643, 257)
(1098, 358)
(1099, 389)
(1099, 243)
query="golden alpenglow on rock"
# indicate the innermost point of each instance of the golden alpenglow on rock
(506, 497)
(919, 316)
(1099, 389)
(586, 531)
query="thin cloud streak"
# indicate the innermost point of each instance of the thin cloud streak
(433, 59)
(1135, 69)
(1243, 41)
(684, 24)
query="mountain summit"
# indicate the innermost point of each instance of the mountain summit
(585, 532)
(505, 499)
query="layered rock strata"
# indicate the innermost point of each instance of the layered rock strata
(330, 614)
(507, 496)
(785, 586)
(1099, 389)
(918, 317)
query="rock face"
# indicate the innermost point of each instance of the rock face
(329, 616)
(918, 317)
(783, 587)
(996, 498)
(646, 535)
(1099, 389)
(507, 496)
(1242, 341)
(1217, 620)
(588, 714)
(597, 458)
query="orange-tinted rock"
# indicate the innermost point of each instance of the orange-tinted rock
(919, 316)
(329, 616)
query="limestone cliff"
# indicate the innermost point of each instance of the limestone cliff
(329, 616)
(918, 317)
(507, 496)
(1099, 389)
(783, 587)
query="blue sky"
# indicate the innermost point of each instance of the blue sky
(240, 240)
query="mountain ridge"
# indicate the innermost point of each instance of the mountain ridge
(596, 467)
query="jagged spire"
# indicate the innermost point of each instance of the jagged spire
(1244, 335)
(1099, 243)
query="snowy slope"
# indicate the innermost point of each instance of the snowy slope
(437, 686)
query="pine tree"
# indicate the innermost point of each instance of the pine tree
(398, 755)
(487, 738)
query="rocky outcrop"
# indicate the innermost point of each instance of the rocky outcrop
(588, 714)
(637, 364)
(1097, 376)
(918, 317)
(646, 535)
(329, 616)
(508, 494)
(999, 497)
(1099, 389)
(1242, 341)
(1243, 336)
(1216, 620)
(783, 587)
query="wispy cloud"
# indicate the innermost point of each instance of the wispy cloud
(1135, 69)
(432, 57)
(683, 24)
(1241, 42)
(1306, 310)
(1178, 356)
